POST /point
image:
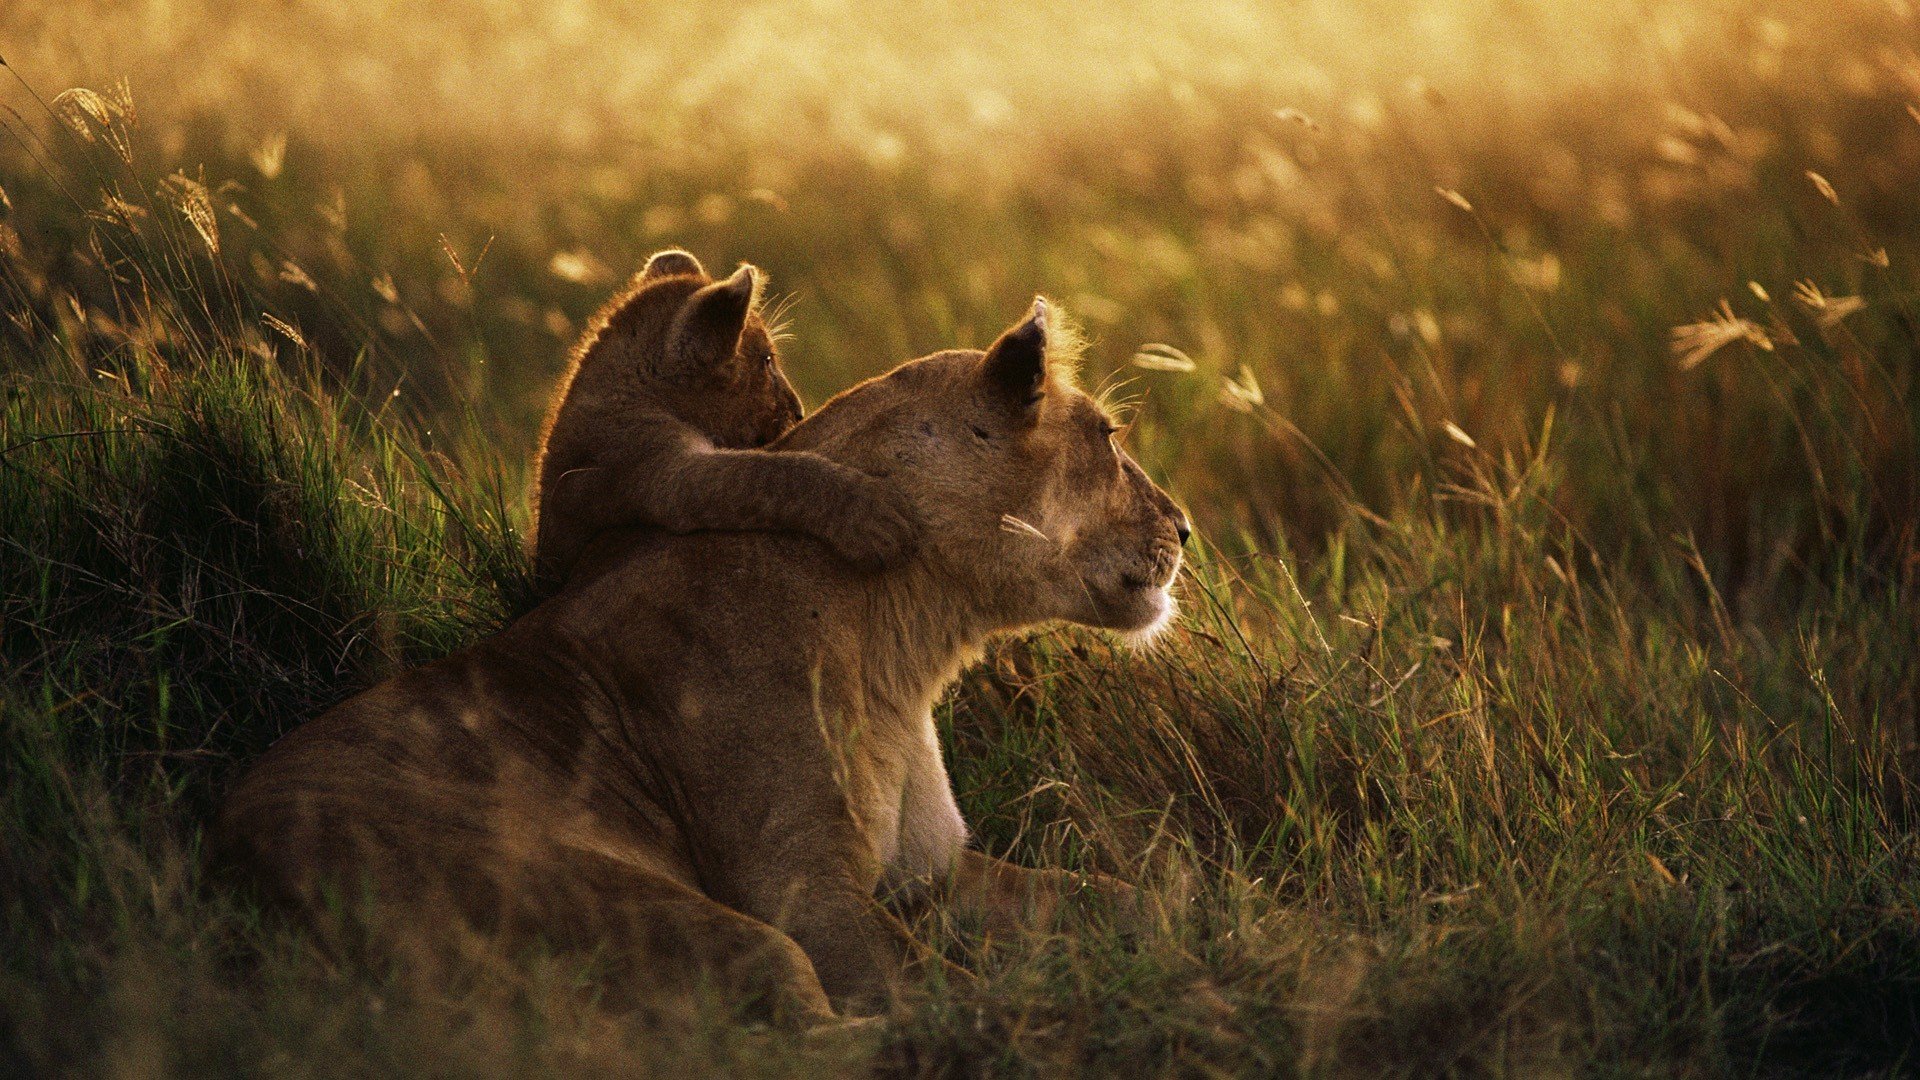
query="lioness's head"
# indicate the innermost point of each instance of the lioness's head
(1030, 505)
(697, 346)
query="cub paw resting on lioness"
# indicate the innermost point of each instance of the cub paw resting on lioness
(702, 764)
(674, 389)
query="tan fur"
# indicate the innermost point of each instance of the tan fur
(673, 388)
(707, 756)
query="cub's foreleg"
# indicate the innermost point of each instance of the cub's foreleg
(865, 520)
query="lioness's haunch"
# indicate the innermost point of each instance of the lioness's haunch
(673, 388)
(702, 760)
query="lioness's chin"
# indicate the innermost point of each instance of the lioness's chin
(1136, 614)
(1164, 608)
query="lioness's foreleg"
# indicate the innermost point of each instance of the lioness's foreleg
(653, 934)
(859, 950)
(782, 848)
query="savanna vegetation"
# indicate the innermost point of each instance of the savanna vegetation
(1540, 377)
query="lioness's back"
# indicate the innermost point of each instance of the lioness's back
(421, 786)
(500, 753)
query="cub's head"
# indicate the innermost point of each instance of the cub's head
(1032, 509)
(695, 346)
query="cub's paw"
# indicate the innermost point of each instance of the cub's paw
(1111, 892)
(856, 1033)
(875, 528)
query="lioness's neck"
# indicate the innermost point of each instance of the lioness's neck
(895, 638)
(916, 629)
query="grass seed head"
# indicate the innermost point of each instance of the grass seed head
(1694, 342)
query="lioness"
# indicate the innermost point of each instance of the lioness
(704, 758)
(673, 387)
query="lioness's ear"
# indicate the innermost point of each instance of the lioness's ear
(706, 332)
(672, 263)
(1016, 365)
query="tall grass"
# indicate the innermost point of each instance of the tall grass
(1546, 695)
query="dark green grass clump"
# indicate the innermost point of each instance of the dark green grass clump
(193, 557)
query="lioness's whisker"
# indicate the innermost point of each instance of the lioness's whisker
(1015, 525)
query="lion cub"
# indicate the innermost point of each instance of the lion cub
(674, 388)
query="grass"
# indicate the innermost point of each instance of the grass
(1546, 697)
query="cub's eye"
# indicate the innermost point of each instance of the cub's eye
(766, 359)
(1108, 429)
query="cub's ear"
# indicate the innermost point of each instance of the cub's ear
(672, 263)
(706, 332)
(1016, 364)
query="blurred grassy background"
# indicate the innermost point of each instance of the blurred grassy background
(1540, 374)
(1253, 184)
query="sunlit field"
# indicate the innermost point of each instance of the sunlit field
(1540, 376)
